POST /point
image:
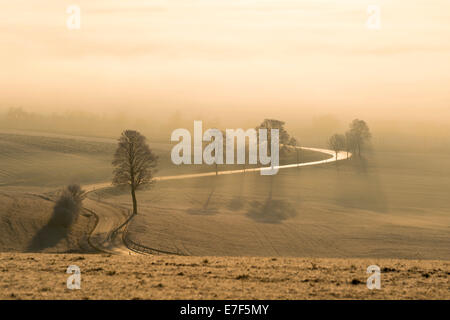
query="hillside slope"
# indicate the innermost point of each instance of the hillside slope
(25, 227)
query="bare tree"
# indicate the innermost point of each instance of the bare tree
(337, 143)
(360, 133)
(134, 163)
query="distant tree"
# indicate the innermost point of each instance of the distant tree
(350, 144)
(294, 143)
(337, 143)
(285, 138)
(134, 163)
(360, 134)
(16, 113)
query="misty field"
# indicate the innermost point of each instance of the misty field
(52, 162)
(304, 233)
(389, 205)
(386, 205)
(100, 99)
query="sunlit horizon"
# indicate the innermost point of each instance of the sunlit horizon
(276, 57)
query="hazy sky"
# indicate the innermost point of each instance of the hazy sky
(220, 56)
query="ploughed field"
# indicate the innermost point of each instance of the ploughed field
(33, 170)
(387, 205)
(304, 233)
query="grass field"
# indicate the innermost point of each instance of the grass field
(30, 160)
(34, 168)
(52, 162)
(388, 206)
(304, 233)
(25, 226)
(30, 276)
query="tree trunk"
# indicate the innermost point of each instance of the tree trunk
(133, 195)
(271, 187)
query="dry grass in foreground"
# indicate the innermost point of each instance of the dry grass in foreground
(43, 276)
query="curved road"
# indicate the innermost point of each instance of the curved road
(110, 217)
(342, 155)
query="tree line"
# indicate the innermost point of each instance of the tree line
(354, 140)
(134, 162)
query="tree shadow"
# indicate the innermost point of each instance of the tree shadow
(205, 209)
(237, 202)
(361, 187)
(298, 198)
(271, 211)
(57, 228)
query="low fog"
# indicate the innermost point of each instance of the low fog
(158, 65)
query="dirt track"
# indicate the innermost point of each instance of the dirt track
(110, 217)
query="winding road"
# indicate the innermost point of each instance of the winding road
(109, 217)
(104, 238)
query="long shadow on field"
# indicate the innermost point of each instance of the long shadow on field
(238, 202)
(271, 211)
(205, 209)
(56, 229)
(360, 187)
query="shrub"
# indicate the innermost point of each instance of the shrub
(67, 206)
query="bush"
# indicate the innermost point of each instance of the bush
(67, 206)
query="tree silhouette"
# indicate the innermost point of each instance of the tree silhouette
(350, 144)
(285, 139)
(359, 133)
(134, 163)
(296, 145)
(337, 143)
